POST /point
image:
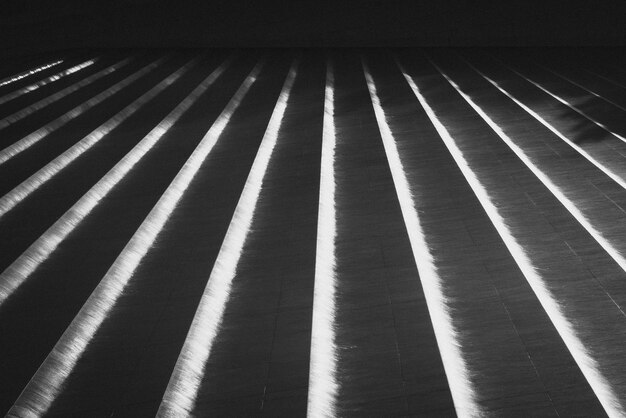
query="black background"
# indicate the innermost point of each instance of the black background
(29, 26)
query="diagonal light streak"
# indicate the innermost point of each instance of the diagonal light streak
(566, 329)
(38, 252)
(617, 179)
(46, 101)
(45, 81)
(47, 383)
(565, 102)
(457, 372)
(28, 186)
(580, 86)
(543, 177)
(29, 140)
(184, 385)
(17, 77)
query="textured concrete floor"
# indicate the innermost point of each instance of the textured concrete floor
(343, 232)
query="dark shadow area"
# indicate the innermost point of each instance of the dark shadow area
(581, 130)
(34, 26)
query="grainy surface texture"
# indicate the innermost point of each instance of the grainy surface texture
(375, 232)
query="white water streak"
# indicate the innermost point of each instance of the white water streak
(323, 385)
(46, 101)
(550, 304)
(185, 382)
(27, 73)
(24, 189)
(45, 81)
(48, 382)
(47, 243)
(457, 371)
(31, 139)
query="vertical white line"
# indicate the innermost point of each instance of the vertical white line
(21, 114)
(45, 81)
(182, 391)
(544, 178)
(323, 383)
(24, 189)
(31, 139)
(457, 372)
(48, 381)
(563, 101)
(46, 244)
(17, 77)
(552, 129)
(565, 328)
